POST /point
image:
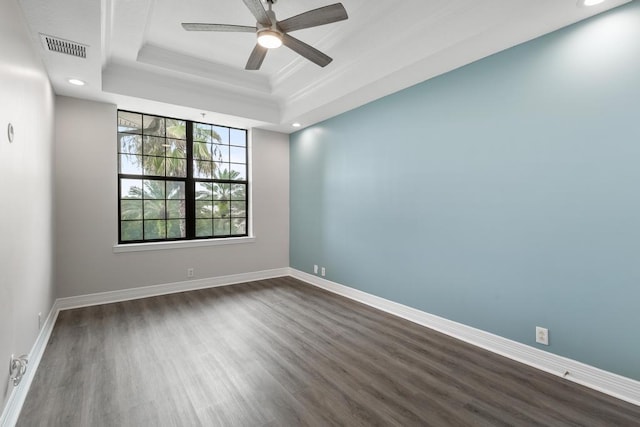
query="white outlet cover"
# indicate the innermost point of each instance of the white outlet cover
(315, 269)
(542, 335)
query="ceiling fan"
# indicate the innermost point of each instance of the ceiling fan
(273, 33)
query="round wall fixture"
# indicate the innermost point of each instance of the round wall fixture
(10, 132)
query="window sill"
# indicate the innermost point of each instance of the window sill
(158, 246)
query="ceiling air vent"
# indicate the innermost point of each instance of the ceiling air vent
(55, 44)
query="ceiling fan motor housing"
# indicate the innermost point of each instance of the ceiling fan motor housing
(269, 36)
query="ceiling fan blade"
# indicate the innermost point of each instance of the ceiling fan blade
(303, 49)
(313, 18)
(193, 26)
(257, 10)
(256, 58)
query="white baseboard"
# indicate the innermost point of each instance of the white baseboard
(606, 382)
(165, 288)
(612, 384)
(14, 404)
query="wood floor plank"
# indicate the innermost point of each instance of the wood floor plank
(279, 352)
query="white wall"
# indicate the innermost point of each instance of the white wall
(26, 100)
(86, 211)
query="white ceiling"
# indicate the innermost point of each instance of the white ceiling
(140, 58)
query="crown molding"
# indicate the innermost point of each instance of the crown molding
(142, 81)
(189, 65)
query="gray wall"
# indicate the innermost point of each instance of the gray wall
(86, 211)
(502, 195)
(26, 100)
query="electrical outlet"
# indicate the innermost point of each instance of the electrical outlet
(190, 272)
(39, 320)
(17, 368)
(315, 269)
(542, 335)
(322, 272)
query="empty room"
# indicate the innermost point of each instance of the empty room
(315, 213)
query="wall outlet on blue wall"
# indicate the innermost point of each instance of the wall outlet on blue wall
(315, 269)
(542, 335)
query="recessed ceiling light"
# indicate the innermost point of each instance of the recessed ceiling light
(587, 3)
(76, 82)
(296, 125)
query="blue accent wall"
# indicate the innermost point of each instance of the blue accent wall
(503, 195)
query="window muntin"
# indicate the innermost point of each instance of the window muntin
(180, 180)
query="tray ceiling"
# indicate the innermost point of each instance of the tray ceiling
(139, 57)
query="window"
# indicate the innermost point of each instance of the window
(180, 180)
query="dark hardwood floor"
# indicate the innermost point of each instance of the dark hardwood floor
(281, 353)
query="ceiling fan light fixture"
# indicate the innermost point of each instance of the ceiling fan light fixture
(270, 39)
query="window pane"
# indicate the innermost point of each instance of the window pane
(238, 137)
(221, 227)
(203, 191)
(221, 170)
(153, 165)
(130, 164)
(175, 190)
(130, 230)
(221, 191)
(154, 209)
(238, 171)
(238, 191)
(220, 153)
(175, 209)
(202, 169)
(177, 148)
(128, 143)
(204, 227)
(201, 150)
(153, 125)
(238, 155)
(154, 189)
(176, 129)
(129, 122)
(201, 132)
(176, 229)
(131, 188)
(204, 209)
(154, 146)
(238, 209)
(221, 209)
(176, 167)
(155, 229)
(238, 226)
(131, 209)
(221, 134)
